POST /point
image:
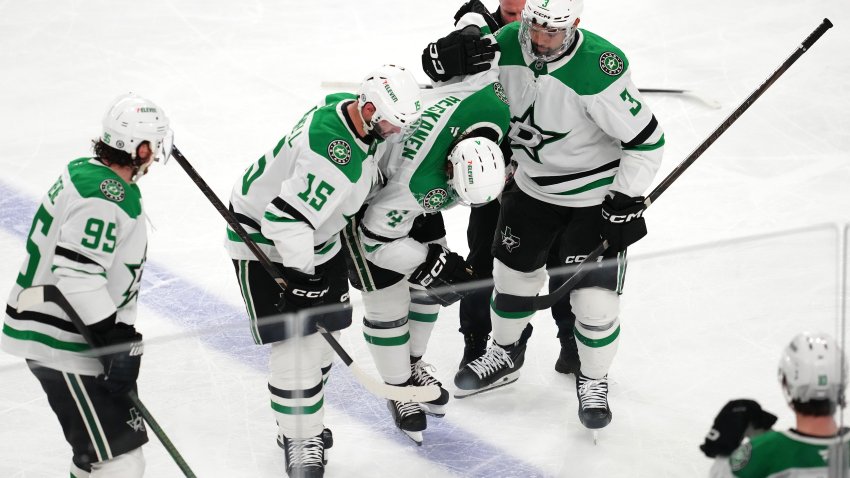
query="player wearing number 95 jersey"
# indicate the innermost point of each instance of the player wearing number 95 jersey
(293, 202)
(89, 238)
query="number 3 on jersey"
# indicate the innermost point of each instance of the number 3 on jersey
(316, 199)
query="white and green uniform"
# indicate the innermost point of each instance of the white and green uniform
(786, 454)
(579, 125)
(321, 170)
(416, 171)
(418, 184)
(294, 201)
(89, 238)
(579, 129)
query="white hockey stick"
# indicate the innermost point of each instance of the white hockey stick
(33, 296)
(393, 392)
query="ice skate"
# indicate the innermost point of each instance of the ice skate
(306, 457)
(409, 418)
(498, 366)
(474, 346)
(420, 374)
(592, 396)
(568, 361)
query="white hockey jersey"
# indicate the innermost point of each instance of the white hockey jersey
(579, 126)
(296, 199)
(416, 170)
(89, 238)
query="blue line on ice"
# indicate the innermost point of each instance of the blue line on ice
(445, 443)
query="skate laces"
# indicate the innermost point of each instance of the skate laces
(593, 393)
(406, 409)
(491, 361)
(306, 452)
(422, 373)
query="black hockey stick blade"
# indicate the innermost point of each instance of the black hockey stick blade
(392, 392)
(33, 296)
(514, 303)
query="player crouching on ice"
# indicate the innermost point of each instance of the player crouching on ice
(89, 238)
(294, 201)
(452, 158)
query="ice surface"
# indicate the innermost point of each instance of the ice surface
(744, 250)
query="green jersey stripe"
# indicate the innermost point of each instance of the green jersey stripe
(587, 187)
(44, 339)
(646, 147)
(271, 217)
(256, 237)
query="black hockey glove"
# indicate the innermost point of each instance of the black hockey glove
(475, 6)
(732, 424)
(303, 291)
(461, 52)
(622, 220)
(441, 272)
(122, 358)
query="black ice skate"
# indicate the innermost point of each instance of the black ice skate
(306, 457)
(420, 374)
(474, 346)
(568, 361)
(592, 395)
(498, 366)
(409, 418)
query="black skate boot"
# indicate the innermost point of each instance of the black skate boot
(420, 374)
(409, 418)
(592, 396)
(306, 457)
(474, 346)
(568, 360)
(498, 366)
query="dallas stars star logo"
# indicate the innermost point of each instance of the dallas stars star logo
(509, 240)
(135, 421)
(527, 136)
(136, 273)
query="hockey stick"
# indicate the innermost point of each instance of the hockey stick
(350, 85)
(30, 297)
(380, 389)
(514, 303)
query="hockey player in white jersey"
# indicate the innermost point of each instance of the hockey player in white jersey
(452, 158)
(89, 238)
(294, 201)
(813, 377)
(587, 147)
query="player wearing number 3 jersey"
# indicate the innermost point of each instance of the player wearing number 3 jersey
(293, 202)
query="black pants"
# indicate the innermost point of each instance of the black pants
(97, 425)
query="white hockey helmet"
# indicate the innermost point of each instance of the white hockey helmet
(477, 171)
(132, 120)
(813, 367)
(554, 24)
(397, 99)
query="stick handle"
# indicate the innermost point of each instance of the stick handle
(744, 106)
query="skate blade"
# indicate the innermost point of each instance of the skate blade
(595, 437)
(437, 411)
(506, 380)
(415, 436)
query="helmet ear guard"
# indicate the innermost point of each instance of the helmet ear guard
(477, 171)
(395, 94)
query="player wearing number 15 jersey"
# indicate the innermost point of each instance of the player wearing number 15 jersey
(293, 202)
